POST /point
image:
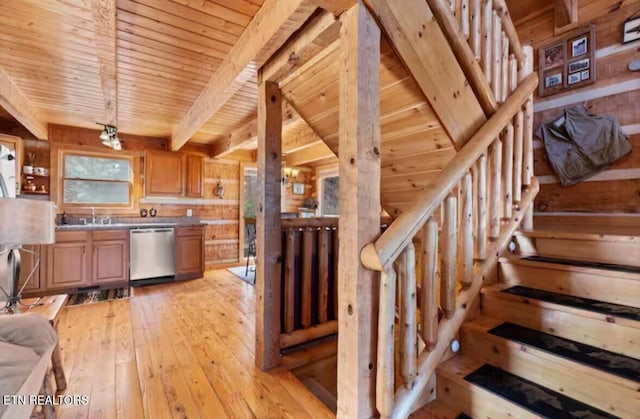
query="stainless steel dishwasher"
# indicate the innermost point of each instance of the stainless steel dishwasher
(152, 253)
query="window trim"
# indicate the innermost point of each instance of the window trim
(323, 174)
(133, 171)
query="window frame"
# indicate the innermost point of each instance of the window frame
(133, 170)
(323, 174)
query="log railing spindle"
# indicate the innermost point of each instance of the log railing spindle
(408, 312)
(481, 235)
(449, 246)
(466, 232)
(386, 344)
(429, 288)
(496, 191)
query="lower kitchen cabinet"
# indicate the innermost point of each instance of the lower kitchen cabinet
(68, 265)
(189, 252)
(110, 257)
(28, 262)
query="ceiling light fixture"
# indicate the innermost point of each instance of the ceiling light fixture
(109, 137)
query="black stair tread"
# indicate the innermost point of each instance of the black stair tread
(609, 309)
(531, 396)
(607, 361)
(584, 264)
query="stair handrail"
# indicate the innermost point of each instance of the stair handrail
(380, 255)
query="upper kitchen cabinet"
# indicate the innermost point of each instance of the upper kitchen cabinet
(195, 175)
(173, 174)
(164, 173)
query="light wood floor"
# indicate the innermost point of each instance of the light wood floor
(182, 350)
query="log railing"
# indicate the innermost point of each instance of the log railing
(309, 273)
(462, 220)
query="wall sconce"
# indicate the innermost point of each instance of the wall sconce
(219, 190)
(289, 175)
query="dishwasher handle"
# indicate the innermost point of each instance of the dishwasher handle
(152, 230)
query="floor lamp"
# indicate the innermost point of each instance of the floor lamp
(22, 221)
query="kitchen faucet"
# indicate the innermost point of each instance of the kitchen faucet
(93, 215)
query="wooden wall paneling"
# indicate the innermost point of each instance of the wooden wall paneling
(14, 101)
(268, 238)
(360, 173)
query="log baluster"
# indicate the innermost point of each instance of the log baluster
(386, 344)
(323, 275)
(481, 235)
(496, 48)
(408, 313)
(487, 40)
(429, 288)
(289, 281)
(449, 249)
(496, 191)
(475, 31)
(466, 232)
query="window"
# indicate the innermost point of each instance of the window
(94, 179)
(329, 188)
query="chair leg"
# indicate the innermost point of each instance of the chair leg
(49, 410)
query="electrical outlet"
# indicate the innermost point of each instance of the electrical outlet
(189, 212)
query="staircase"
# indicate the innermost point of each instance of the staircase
(558, 336)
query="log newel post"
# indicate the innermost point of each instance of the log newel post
(359, 151)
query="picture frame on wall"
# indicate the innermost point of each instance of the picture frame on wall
(631, 30)
(568, 63)
(298, 188)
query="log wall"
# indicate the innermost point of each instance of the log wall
(617, 190)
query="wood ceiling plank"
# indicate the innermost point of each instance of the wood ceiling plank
(429, 58)
(217, 10)
(104, 24)
(13, 100)
(262, 37)
(318, 151)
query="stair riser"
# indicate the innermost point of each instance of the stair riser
(616, 252)
(611, 287)
(598, 389)
(477, 402)
(588, 328)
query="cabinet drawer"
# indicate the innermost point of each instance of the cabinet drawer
(110, 234)
(190, 231)
(72, 236)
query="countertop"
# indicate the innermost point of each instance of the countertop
(129, 225)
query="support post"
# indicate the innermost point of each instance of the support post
(359, 152)
(268, 233)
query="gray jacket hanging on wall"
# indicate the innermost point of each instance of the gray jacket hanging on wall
(579, 144)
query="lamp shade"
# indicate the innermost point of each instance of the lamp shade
(24, 221)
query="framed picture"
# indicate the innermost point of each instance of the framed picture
(579, 65)
(579, 47)
(298, 188)
(575, 78)
(568, 63)
(554, 56)
(631, 30)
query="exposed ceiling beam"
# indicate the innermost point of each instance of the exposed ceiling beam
(247, 135)
(417, 38)
(566, 14)
(318, 151)
(337, 7)
(104, 33)
(269, 29)
(313, 37)
(14, 101)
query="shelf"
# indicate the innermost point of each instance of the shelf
(33, 193)
(40, 176)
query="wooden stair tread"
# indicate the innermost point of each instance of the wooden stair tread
(609, 312)
(529, 395)
(578, 266)
(583, 264)
(577, 235)
(438, 410)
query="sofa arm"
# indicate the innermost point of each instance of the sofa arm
(30, 330)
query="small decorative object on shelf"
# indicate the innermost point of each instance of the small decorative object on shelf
(310, 203)
(143, 212)
(153, 212)
(29, 186)
(219, 190)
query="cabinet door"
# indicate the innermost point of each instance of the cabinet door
(27, 263)
(68, 265)
(110, 261)
(163, 174)
(189, 256)
(195, 175)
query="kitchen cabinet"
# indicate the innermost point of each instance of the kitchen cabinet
(68, 261)
(110, 257)
(163, 173)
(27, 263)
(173, 174)
(189, 252)
(194, 177)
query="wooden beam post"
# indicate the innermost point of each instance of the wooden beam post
(268, 233)
(359, 151)
(14, 101)
(104, 33)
